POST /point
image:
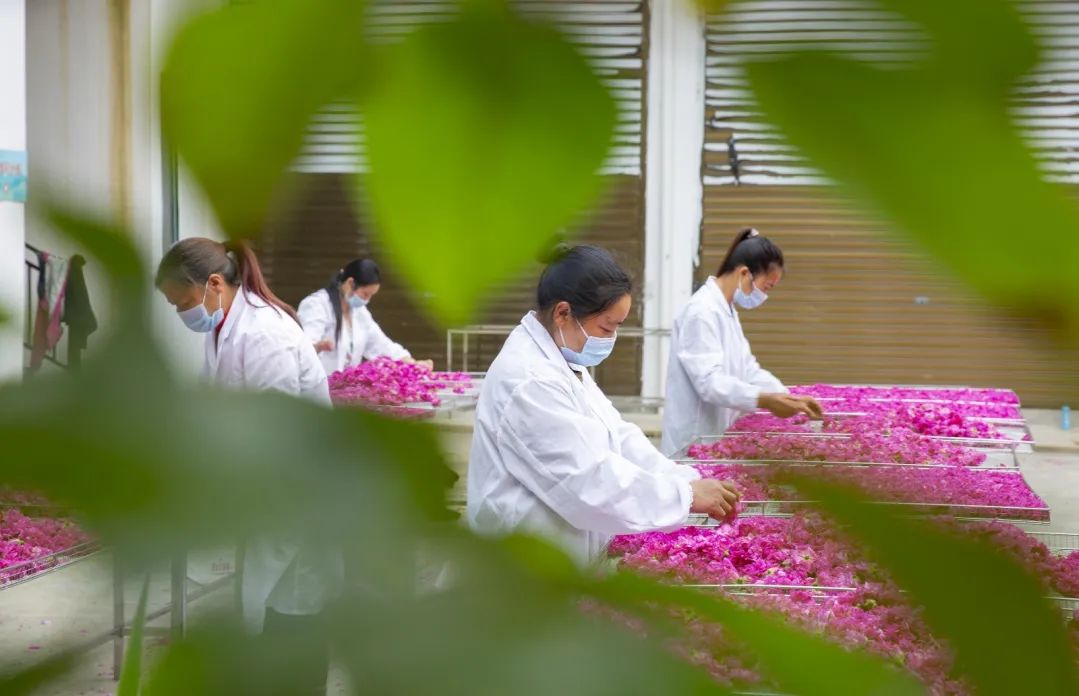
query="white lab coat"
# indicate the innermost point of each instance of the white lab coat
(364, 339)
(261, 347)
(552, 456)
(712, 376)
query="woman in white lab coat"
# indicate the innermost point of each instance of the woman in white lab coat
(339, 324)
(712, 376)
(550, 454)
(254, 342)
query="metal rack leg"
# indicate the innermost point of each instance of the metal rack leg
(117, 618)
(178, 590)
(449, 351)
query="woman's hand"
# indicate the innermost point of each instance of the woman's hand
(785, 405)
(324, 345)
(814, 406)
(714, 498)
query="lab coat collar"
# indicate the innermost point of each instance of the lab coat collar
(543, 339)
(241, 304)
(234, 315)
(717, 295)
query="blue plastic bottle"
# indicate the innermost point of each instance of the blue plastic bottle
(1065, 418)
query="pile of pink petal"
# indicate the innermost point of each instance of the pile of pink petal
(959, 491)
(933, 420)
(384, 382)
(29, 545)
(969, 403)
(967, 395)
(457, 382)
(857, 443)
(806, 552)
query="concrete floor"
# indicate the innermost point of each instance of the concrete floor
(67, 606)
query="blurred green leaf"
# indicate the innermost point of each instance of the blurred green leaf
(711, 6)
(499, 628)
(129, 450)
(218, 660)
(485, 137)
(933, 147)
(799, 662)
(30, 680)
(241, 84)
(802, 663)
(1007, 638)
(131, 674)
(114, 250)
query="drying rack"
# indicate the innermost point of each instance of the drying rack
(961, 511)
(1000, 454)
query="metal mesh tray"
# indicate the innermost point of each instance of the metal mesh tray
(783, 508)
(36, 567)
(999, 454)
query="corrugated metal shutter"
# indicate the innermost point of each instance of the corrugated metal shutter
(741, 147)
(306, 244)
(858, 305)
(611, 33)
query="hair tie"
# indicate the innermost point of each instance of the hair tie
(754, 233)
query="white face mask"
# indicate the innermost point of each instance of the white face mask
(594, 351)
(199, 319)
(752, 300)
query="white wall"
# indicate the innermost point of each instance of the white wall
(12, 215)
(69, 88)
(94, 138)
(673, 182)
(77, 156)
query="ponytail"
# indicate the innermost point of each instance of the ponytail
(753, 250)
(192, 261)
(251, 278)
(362, 272)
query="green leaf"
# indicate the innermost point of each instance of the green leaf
(485, 136)
(934, 149)
(799, 662)
(1007, 638)
(241, 84)
(131, 673)
(498, 628)
(30, 680)
(128, 449)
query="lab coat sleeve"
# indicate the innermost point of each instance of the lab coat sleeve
(316, 318)
(565, 460)
(700, 352)
(637, 448)
(761, 377)
(271, 364)
(378, 344)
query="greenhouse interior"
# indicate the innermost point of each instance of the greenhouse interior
(539, 347)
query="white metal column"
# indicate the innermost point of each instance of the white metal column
(673, 181)
(12, 215)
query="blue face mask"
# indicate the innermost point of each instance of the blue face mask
(356, 302)
(199, 320)
(751, 300)
(594, 352)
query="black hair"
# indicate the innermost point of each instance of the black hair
(753, 250)
(192, 261)
(362, 272)
(587, 277)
